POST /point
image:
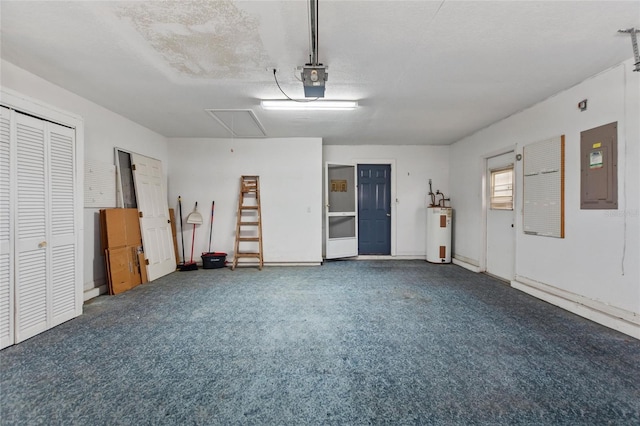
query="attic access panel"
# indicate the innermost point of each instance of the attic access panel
(599, 167)
(241, 123)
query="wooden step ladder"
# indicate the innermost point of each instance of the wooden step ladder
(249, 220)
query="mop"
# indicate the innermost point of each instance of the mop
(194, 218)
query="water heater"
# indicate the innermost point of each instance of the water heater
(439, 234)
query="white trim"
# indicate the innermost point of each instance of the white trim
(255, 264)
(389, 257)
(94, 292)
(624, 321)
(466, 263)
(90, 285)
(23, 103)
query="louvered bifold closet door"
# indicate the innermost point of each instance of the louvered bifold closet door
(63, 224)
(46, 247)
(31, 232)
(6, 226)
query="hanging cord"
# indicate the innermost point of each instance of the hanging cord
(287, 96)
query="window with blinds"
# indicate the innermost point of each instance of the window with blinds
(502, 189)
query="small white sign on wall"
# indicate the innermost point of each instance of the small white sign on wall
(99, 184)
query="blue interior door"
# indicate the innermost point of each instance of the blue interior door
(374, 209)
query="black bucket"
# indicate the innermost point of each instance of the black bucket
(214, 260)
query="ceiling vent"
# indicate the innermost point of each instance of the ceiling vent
(240, 123)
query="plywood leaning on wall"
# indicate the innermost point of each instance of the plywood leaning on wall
(544, 188)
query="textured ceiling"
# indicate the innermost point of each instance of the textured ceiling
(427, 72)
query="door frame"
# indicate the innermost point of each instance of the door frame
(342, 247)
(394, 201)
(486, 201)
(25, 104)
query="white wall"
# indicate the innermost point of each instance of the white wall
(412, 167)
(103, 130)
(598, 258)
(290, 170)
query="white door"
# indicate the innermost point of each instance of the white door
(6, 234)
(65, 270)
(341, 212)
(46, 253)
(155, 225)
(32, 210)
(500, 216)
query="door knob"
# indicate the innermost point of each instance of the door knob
(388, 214)
(43, 244)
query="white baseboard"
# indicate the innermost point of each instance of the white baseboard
(254, 264)
(389, 257)
(291, 263)
(465, 265)
(94, 292)
(618, 319)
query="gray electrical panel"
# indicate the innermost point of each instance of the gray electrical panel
(599, 167)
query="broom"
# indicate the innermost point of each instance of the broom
(194, 218)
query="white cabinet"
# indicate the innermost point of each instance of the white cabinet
(40, 262)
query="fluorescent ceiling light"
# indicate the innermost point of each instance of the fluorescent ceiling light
(286, 104)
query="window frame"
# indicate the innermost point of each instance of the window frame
(501, 202)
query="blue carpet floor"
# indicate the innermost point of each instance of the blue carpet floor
(346, 343)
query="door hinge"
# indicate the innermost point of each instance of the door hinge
(133, 167)
(140, 214)
(146, 261)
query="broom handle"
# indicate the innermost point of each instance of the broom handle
(193, 239)
(181, 229)
(213, 203)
